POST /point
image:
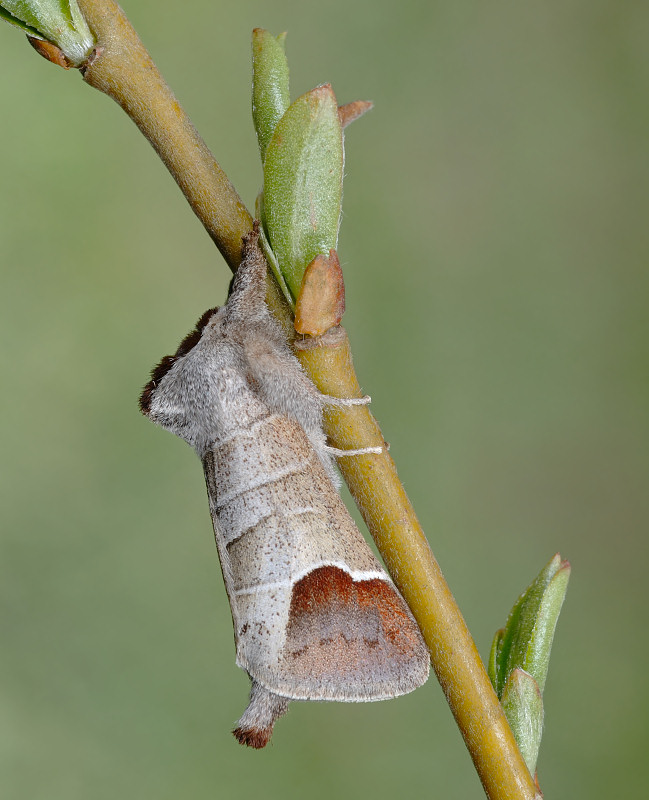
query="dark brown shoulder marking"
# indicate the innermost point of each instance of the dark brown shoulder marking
(158, 373)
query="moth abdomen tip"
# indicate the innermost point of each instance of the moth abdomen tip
(256, 738)
(255, 727)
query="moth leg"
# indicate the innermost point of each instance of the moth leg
(256, 724)
(363, 451)
(329, 400)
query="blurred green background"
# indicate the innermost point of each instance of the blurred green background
(494, 244)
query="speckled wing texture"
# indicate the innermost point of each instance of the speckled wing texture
(315, 615)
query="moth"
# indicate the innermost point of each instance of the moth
(315, 615)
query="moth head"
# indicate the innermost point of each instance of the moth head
(158, 372)
(182, 395)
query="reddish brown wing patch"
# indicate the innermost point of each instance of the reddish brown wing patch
(357, 635)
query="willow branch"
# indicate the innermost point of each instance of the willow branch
(391, 519)
(123, 69)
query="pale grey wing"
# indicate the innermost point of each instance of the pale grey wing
(316, 616)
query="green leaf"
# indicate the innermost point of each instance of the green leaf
(520, 655)
(19, 23)
(528, 634)
(268, 251)
(494, 658)
(537, 655)
(523, 706)
(56, 21)
(27, 12)
(303, 173)
(270, 91)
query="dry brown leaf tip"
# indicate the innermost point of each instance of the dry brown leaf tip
(321, 302)
(350, 111)
(50, 52)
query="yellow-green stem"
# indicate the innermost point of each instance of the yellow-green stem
(124, 70)
(391, 519)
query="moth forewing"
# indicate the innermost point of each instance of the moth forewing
(315, 615)
(306, 589)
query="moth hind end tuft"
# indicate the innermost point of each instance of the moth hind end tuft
(255, 727)
(253, 737)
